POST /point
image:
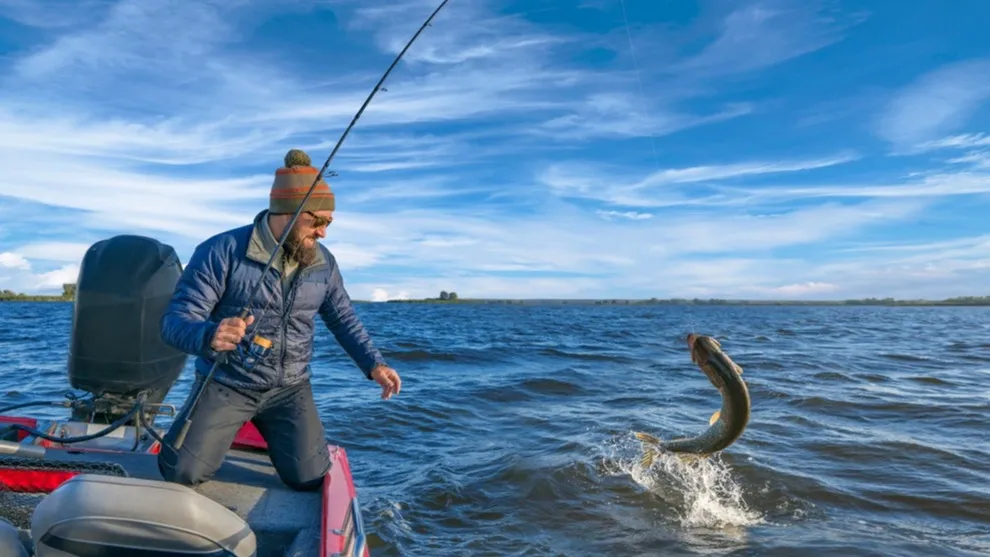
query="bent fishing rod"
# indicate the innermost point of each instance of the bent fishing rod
(260, 345)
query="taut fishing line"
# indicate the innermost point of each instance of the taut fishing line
(639, 83)
(260, 345)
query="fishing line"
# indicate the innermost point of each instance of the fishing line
(639, 78)
(261, 346)
(642, 94)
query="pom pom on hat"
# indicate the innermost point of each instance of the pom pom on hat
(297, 157)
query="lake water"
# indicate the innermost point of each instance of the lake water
(513, 432)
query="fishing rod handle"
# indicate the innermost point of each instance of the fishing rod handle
(181, 437)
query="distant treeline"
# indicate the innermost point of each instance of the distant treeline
(69, 294)
(444, 297)
(452, 297)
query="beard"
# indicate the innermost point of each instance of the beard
(296, 250)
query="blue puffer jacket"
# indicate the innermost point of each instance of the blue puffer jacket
(215, 285)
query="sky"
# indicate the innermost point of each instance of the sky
(529, 149)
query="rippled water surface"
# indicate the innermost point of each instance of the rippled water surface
(512, 435)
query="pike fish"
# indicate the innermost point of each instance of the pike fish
(725, 425)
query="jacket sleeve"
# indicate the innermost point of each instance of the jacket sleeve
(186, 323)
(339, 316)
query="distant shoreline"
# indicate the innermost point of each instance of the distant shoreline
(964, 301)
(33, 298)
(957, 301)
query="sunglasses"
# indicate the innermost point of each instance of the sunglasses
(318, 221)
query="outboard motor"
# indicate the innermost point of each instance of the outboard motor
(116, 351)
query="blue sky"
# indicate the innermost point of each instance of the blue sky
(538, 148)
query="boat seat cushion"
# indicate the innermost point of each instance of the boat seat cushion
(10, 541)
(95, 515)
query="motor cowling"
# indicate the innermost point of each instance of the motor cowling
(124, 285)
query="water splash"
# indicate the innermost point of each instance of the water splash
(701, 492)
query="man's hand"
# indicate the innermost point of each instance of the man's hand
(229, 333)
(389, 379)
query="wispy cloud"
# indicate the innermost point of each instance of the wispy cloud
(962, 141)
(68, 14)
(757, 35)
(936, 103)
(663, 188)
(632, 215)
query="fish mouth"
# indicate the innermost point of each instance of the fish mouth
(727, 424)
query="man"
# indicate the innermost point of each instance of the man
(273, 390)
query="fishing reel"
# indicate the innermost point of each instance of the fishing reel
(259, 349)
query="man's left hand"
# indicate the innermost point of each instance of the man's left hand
(389, 379)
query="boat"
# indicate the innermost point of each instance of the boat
(87, 484)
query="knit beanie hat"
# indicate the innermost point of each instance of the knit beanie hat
(291, 183)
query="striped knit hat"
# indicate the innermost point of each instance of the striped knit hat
(291, 183)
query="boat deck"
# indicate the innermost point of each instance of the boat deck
(285, 522)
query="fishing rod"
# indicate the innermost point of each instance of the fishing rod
(261, 345)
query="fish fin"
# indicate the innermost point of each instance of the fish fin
(648, 458)
(651, 443)
(647, 438)
(715, 417)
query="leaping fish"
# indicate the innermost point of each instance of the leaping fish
(725, 425)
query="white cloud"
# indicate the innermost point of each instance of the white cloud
(122, 199)
(14, 261)
(616, 187)
(934, 185)
(936, 103)
(631, 215)
(762, 34)
(22, 276)
(707, 249)
(381, 295)
(58, 277)
(804, 289)
(962, 141)
(350, 256)
(71, 252)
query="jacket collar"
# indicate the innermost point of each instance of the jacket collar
(263, 242)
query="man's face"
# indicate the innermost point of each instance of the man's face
(309, 228)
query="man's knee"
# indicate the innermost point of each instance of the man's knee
(305, 474)
(296, 441)
(219, 415)
(183, 467)
(312, 484)
(311, 481)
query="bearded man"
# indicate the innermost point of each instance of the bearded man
(272, 391)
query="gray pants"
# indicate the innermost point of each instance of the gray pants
(287, 418)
